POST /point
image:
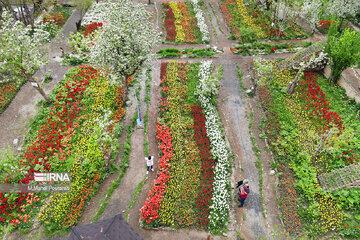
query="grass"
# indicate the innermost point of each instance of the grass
(240, 75)
(189, 53)
(258, 162)
(210, 20)
(217, 17)
(133, 199)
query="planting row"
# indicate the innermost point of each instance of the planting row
(247, 24)
(312, 132)
(184, 22)
(264, 48)
(71, 135)
(191, 188)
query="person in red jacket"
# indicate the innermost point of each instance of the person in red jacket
(243, 193)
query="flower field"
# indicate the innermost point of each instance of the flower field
(191, 189)
(184, 22)
(295, 128)
(247, 24)
(85, 112)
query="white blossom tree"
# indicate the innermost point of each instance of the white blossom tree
(19, 52)
(314, 10)
(126, 40)
(341, 8)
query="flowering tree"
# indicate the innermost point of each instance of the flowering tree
(19, 52)
(126, 40)
(313, 10)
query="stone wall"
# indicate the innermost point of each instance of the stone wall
(349, 80)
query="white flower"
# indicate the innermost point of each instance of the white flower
(201, 21)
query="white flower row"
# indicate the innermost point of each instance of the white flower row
(219, 213)
(201, 21)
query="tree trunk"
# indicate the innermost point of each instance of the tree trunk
(340, 25)
(125, 88)
(293, 85)
(78, 25)
(39, 88)
(268, 4)
(149, 2)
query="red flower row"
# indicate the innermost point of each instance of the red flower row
(169, 23)
(316, 102)
(149, 212)
(90, 28)
(203, 200)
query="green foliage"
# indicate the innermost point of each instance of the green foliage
(240, 74)
(118, 129)
(189, 53)
(133, 199)
(343, 50)
(72, 60)
(265, 48)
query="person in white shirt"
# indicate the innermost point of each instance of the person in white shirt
(149, 163)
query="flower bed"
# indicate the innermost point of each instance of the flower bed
(188, 192)
(264, 48)
(296, 126)
(53, 21)
(324, 25)
(248, 25)
(8, 91)
(83, 108)
(187, 53)
(184, 22)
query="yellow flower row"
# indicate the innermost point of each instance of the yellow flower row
(248, 19)
(180, 33)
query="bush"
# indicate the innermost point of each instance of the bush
(343, 50)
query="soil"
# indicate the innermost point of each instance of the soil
(254, 221)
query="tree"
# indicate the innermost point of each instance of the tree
(82, 6)
(19, 52)
(342, 8)
(343, 50)
(126, 40)
(314, 10)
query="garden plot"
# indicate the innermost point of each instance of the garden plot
(66, 136)
(248, 25)
(191, 189)
(311, 133)
(184, 22)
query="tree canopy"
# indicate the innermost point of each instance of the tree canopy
(126, 40)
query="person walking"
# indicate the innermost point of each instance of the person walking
(149, 163)
(244, 190)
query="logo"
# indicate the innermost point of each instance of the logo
(52, 177)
